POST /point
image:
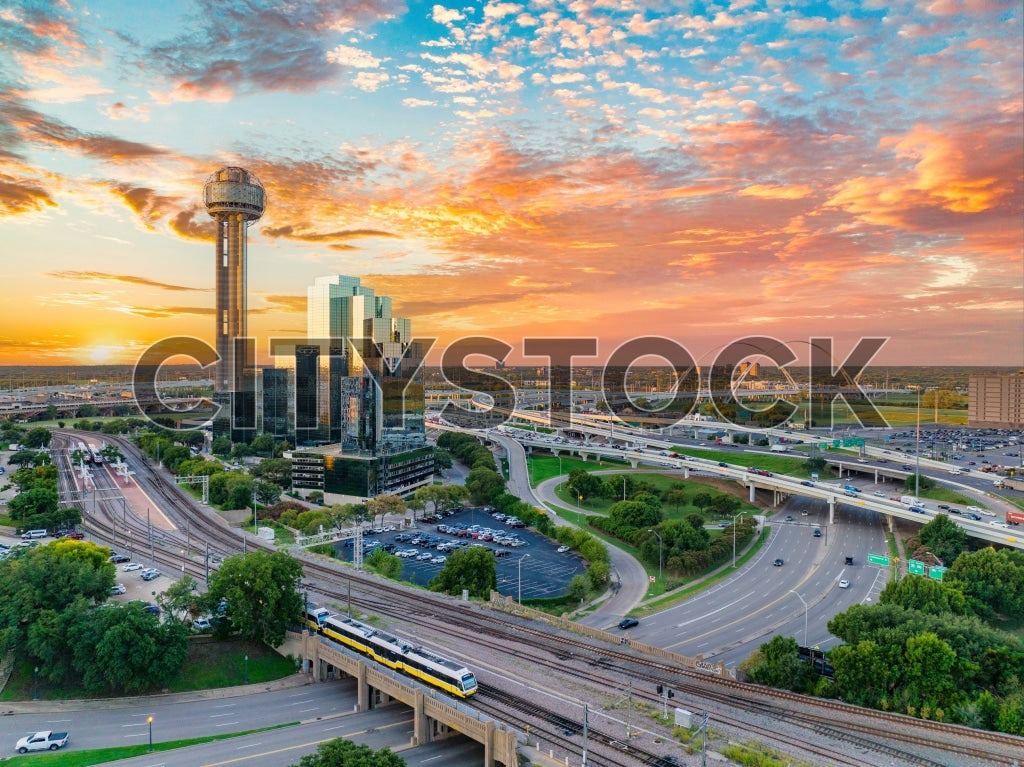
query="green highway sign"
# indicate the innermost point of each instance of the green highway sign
(836, 443)
(935, 573)
(914, 567)
(853, 442)
(878, 559)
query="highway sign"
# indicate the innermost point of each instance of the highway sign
(914, 567)
(935, 573)
(837, 442)
(878, 559)
(853, 442)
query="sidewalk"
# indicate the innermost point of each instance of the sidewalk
(7, 708)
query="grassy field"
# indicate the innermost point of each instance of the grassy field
(209, 665)
(544, 467)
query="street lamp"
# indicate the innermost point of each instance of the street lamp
(520, 579)
(150, 722)
(936, 558)
(734, 537)
(805, 614)
(659, 551)
(917, 451)
(247, 669)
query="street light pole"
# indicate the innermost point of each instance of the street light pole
(805, 613)
(35, 684)
(734, 537)
(150, 722)
(247, 669)
(917, 451)
(659, 551)
(520, 579)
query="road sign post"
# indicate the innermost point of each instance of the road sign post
(878, 559)
(935, 573)
(914, 567)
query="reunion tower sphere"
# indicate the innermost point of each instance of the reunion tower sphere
(235, 198)
(234, 190)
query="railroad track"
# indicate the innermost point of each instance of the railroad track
(933, 743)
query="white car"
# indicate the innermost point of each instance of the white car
(985, 512)
(844, 584)
(117, 588)
(424, 556)
(438, 560)
(131, 567)
(562, 549)
(879, 493)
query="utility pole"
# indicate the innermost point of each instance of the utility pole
(629, 711)
(149, 525)
(207, 562)
(586, 712)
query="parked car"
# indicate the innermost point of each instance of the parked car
(202, 624)
(131, 567)
(42, 741)
(562, 549)
(118, 558)
(117, 588)
(150, 575)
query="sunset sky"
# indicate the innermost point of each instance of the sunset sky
(598, 168)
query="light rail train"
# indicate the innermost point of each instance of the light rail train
(393, 652)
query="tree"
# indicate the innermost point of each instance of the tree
(924, 594)
(777, 664)
(992, 581)
(582, 482)
(816, 463)
(221, 445)
(276, 470)
(474, 569)
(262, 591)
(34, 502)
(943, 537)
(634, 514)
(918, 481)
(22, 458)
(702, 500)
(112, 453)
(266, 493)
(385, 504)
(380, 561)
(577, 588)
(315, 496)
(127, 650)
(37, 438)
(345, 753)
(675, 498)
(263, 444)
(182, 599)
(484, 485)
(442, 460)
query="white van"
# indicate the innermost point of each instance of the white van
(30, 534)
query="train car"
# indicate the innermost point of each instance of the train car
(396, 653)
(316, 616)
(97, 457)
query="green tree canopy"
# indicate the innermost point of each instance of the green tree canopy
(943, 537)
(484, 485)
(262, 593)
(930, 596)
(37, 437)
(474, 569)
(276, 470)
(992, 581)
(345, 753)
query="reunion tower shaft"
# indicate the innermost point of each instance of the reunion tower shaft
(234, 198)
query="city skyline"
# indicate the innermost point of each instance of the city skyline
(523, 169)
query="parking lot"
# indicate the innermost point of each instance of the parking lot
(546, 572)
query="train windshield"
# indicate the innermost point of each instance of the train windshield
(468, 683)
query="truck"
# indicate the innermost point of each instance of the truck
(1015, 517)
(1012, 483)
(779, 448)
(911, 500)
(45, 740)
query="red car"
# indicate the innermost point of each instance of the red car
(76, 535)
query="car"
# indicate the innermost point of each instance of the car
(778, 563)
(789, 517)
(879, 494)
(862, 460)
(438, 560)
(844, 584)
(817, 533)
(426, 555)
(562, 549)
(916, 510)
(202, 624)
(131, 567)
(151, 609)
(118, 558)
(943, 506)
(723, 464)
(849, 560)
(628, 623)
(986, 512)
(117, 588)
(807, 483)
(972, 515)
(150, 575)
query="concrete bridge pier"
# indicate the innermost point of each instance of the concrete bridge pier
(633, 462)
(753, 491)
(832, 511)
(362, 690)
(420, 731)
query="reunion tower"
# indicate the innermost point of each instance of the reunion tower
(235, 198)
